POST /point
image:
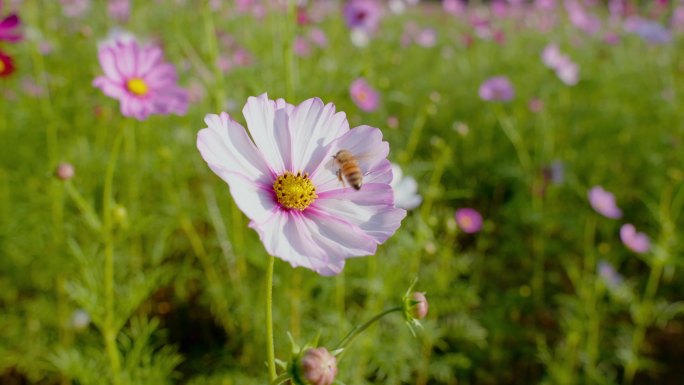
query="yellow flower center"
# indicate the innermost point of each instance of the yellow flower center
(137, 86)
(295, 191)
(2, 66)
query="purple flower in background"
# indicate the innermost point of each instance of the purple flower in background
(364, 96)
(74, 8)
(362, 14)
(302, 48)
(140, 79)
(604, 202)
(607, 272)
(9, 27)
(454, 7)
(119, 10)
(635, 241)
(497, 88)
(651, 31)
(469, 220)
(566, 70)
(551, 56)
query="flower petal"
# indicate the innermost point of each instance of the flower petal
(150, 57)
(230, 153)
(314, 126)
(268, 124)
(107, 58)
(371, 209)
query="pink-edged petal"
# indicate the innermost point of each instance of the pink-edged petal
(171, 100)
(268, 126)
(286, 235)
(135, 107)
(230, 153)
(161, 76)
(150, 57)
(126, 58)
(109, 87)
(107, 58)
(11, 21)
(314, 126)
(371, 209)
(341, 238)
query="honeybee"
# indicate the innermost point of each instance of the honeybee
(348, 169)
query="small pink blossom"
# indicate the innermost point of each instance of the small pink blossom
(454, 7)
(604, 202)
(319, 367)
(75, 8)
(318, 37)
(282, 175)
(9, 28)
(635, 241)
(497, 88)
(364, 96)
(302, 48)
(119, 10)
(140, 79)
(469, 220)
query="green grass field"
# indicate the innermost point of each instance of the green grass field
(522, 301)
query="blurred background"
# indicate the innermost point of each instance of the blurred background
(519, 127)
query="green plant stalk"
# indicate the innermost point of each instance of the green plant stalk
(414, 136)
(640, 331)
(270, 346)
(110, 330)
(360, 329)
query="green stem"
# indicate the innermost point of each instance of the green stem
(359, 329)
(270, 346)
(281, 379)
(110, 329)
(516, 140)
(83, 206)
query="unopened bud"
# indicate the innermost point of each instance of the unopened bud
(65, 171)
(319, 367)
(420, 309)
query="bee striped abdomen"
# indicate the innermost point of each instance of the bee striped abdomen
(349, 169)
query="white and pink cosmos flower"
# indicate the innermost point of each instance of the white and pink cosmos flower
(285, 180)
(140, 79)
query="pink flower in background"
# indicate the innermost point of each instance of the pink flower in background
(566, 70)
(535, 105)
(9, 27)
(362, 14)
(607, 272)
(454, 7)
(285, 180)
(604, 202)
(545, 5)
(469, 220)
(140, 79)
(364, 96)
(497, 88)
(74, 8)
(119, 10)
(318, 37)
(635, 241)
(302, 47)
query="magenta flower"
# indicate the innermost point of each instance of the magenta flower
(604, 202)
(469, 220)
(9, 27)
(286, 182)
(362, 14)
(364, 96)
(635, 241)
(497, 88)
(140, 79)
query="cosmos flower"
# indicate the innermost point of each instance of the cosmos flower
(604, 202)
(6, 65)
(286, 182)
(364, 96)
(9, 28)
(497, 88)
(74, 8)
(469, 220)
(608, 274)
(405, 190)
(140, 79)
(119, 10)
(454, 7)
(566, 70)
(635, 241)
(362, 14)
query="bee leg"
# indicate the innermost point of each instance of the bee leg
(339, 177)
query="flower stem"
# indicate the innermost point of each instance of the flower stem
(270, 346)
(110, 330)
(359, 329)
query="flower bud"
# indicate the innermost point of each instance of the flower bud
(319, 367)
(65, 171)
(420, 309)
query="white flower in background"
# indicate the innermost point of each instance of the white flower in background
(405, 190)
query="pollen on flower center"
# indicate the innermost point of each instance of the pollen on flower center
(2, 66)
(294, 191)
(137, 86)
